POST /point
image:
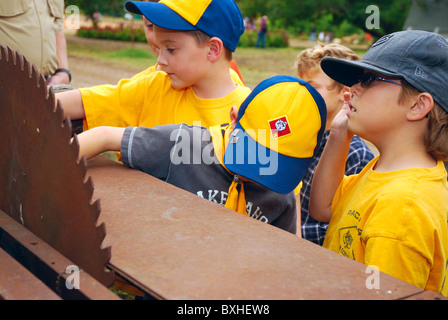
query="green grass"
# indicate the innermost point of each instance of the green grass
(138, 55)
(131, 56)
(129, 53)
(259, 64)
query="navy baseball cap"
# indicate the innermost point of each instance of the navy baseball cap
(216, 18)
(419, 57)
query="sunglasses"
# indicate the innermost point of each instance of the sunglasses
(367, 78)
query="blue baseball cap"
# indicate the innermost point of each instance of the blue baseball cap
(279, 130)
(216, 18)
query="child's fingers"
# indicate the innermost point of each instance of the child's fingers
(347, 101)
(347, 97)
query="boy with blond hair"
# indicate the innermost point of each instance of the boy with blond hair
(308, 68)
(393, 214)
(195, 42)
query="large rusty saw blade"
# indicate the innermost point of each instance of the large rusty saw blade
(43, 186)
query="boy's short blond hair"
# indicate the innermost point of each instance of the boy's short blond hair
(309, 60)
(436, 139)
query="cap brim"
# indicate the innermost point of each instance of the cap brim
(160, 15)
(349, 72)
(253, 161)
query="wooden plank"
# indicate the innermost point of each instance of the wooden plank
(17, 283)
(174, 245)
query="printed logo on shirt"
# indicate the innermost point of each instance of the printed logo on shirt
(355, 214)
(350, 233)
(280, 127)
(346, 239)
(220, 197)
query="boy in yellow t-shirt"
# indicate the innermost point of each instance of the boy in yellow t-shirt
(195, 42)
(308, 69)
(393, 214)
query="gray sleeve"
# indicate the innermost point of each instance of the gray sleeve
(148, 149)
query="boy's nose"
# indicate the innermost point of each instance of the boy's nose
(161, 60)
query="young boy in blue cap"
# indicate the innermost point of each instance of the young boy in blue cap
(393, 214)
(251, 166)
(195, 42)
(149, 34)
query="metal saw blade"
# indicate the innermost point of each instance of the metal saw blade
(43, 186)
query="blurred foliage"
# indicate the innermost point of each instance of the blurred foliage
(105, 7)
(341, 17)
(273, 39)
(109, 33)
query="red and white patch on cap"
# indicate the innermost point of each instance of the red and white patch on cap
(279, 127)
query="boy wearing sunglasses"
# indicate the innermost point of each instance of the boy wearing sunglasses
(308, 68)
(393, 214)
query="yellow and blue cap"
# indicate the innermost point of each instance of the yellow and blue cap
(280, 126)
(216, 18)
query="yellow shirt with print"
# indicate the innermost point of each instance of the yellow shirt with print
(396, 221)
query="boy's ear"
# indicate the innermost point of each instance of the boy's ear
(422, 106)
(216, 48)
(234, 116)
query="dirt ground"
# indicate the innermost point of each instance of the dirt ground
(88, 71)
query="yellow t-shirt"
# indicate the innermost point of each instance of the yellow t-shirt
(396, 221)
(145, 72)
(150, 101)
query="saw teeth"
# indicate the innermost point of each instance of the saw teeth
(54, 183)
